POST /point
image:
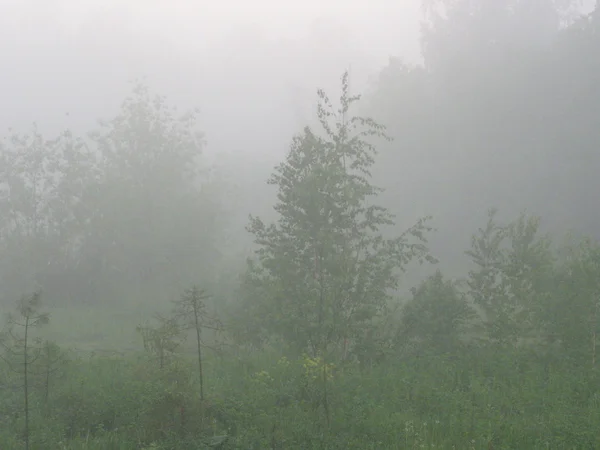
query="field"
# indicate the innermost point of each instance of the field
(108, 393)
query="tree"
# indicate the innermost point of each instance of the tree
(323, 271)
(572, 318)
(52, 360)
(497, 86)
(436, 318)
(511, 280)
(459, 27)
(21, 350)
(153, 219)
(190, 312)
(163, 340)
(38, 211)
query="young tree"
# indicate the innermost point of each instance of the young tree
(436, 318)
(190, 312)
(324, 271)
(511, 280)
(21, 349)
(573, 316)
(162, 340)
(52, 360)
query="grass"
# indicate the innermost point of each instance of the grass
(93, 328)
(123, 401)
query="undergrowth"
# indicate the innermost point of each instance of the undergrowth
(467, 401)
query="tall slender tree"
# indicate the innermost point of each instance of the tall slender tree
(191, 312)
(21, 349)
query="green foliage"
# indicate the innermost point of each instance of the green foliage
(162, 340)
(191, 314)
(130, 214)
(151, 202)
(508, 400)
(324, 270)
(537, 394)
(493, 117)
(23, 350)
(105, 217)
(436, 318)
(511, 279)
(39, 175)
(51, 364)
(572, 315)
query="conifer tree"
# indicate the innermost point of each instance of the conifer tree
(21, 350)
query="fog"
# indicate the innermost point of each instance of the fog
(200, 54)
(244, 66)
(252, 70)
(195, 252)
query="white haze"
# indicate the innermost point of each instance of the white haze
(251, 67)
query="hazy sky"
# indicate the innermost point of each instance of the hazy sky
(384, 26)
(238, 60)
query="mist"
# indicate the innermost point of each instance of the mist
(192, 190)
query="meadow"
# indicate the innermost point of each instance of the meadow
(106, 392)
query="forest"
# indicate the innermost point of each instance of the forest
(420, 269)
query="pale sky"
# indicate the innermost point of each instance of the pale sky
(242, 62)
(384, 26)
